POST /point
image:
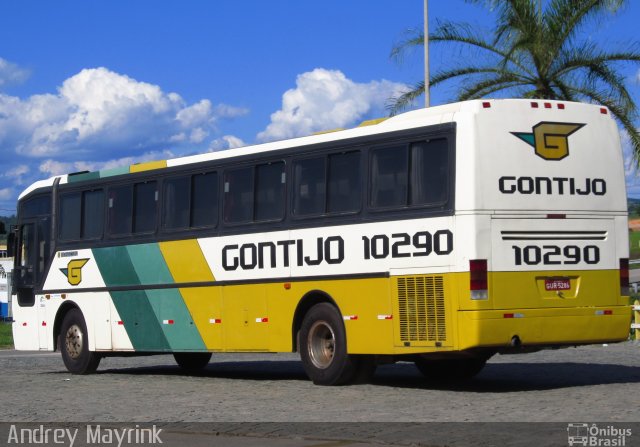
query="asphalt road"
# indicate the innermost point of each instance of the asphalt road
(265, 399)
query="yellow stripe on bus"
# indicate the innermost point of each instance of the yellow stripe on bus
(187, 264)
(149, 166)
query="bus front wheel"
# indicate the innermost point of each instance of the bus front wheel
(323, 349)
(74, 344)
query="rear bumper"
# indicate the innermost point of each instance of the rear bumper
(543, 327)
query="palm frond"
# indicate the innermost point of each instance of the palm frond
(399, 103)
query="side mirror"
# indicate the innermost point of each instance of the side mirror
(11, 244)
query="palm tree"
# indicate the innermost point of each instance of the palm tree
(535, 52)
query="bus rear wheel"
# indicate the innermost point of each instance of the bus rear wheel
(74, 344)
(192, 361)
(449, 370)
(323, 349)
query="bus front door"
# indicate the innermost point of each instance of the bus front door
(30, 265)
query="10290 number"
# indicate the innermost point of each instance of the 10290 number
(554, 255)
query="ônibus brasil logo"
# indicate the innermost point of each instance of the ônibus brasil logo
(550, 140)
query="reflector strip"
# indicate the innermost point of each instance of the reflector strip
(486, 105)
(215, 320)
(44, 323)
(604, 312)
(561, 106)
(385, 317)
(516, 315)
(534, 105)
(262, 320)
(167, 321)
(350, 317)
(24, 324)
(121, 323)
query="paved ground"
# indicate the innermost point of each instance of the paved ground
(265, 399)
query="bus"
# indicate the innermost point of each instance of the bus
(440, 236)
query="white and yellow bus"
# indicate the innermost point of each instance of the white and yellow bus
(440, 236)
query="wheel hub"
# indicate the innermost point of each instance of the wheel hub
(322, 343)
(74, 341)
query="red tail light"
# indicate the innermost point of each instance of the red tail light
(478, 279)
(624, 277)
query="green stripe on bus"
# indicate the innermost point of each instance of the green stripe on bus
(82, 177)
(168, 305)
(136, 312)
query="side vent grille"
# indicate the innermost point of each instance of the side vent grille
(421, 309)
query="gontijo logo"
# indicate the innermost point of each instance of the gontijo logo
(73, 272)
(550, 140)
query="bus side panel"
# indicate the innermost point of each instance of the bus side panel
(365, 306)
(187, 264)
(120, 341)
(25, 328)
(155, 319)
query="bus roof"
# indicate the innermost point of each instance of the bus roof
(409, 120)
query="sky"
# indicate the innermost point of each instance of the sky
(88, 85)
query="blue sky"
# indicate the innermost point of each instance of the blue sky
(98, 84)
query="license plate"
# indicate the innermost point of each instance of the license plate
(553, 284)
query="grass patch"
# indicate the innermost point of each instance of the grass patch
(6, 337)
(634, 244)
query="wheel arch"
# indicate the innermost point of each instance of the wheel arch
(62, 312)
(309, 300)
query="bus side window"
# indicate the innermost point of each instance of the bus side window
(92, 214)
(176, 203)
(238, 195)
(429, 172)
(70, 215)
(145, 207)
(309, 186)
(204, 200)
(269, 197)
(81, 215)
(344, 185)
(120, 210)
(389, 167)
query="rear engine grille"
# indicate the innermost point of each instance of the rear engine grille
(421, 308)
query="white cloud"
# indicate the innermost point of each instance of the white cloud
(100, 110)
(225, 142)
(6, 194)
(327, 99)
(227, 111)
(15, 173)
(11, 73)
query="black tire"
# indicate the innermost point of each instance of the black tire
(323, 347)
(192, 361)
(73, 342)
(450, 370)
